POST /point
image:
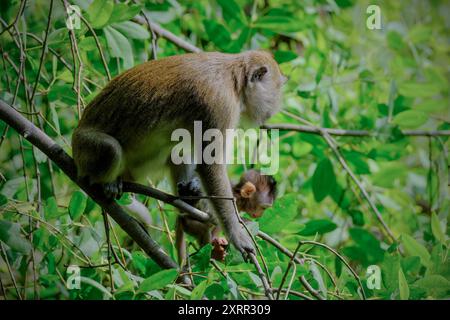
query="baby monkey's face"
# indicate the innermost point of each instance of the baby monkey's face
(255, 193)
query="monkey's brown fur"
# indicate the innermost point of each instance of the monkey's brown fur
(125, 131)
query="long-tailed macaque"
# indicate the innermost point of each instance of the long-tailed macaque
(253, 193)
(125, 132)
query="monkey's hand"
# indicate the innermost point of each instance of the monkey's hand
(190, 189)
(113, 190)
(242, 241)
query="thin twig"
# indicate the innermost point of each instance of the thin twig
(265, 283)
(108, 241)
(265, 277)
(353, 272)
(16, 19)
(55, 230)
(97, 43)
(288, 253)
(294, 293)
(154, 36)
(287, 270)
(10, 270)
(44, 49)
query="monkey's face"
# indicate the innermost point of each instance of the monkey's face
(255, 193)
(263, 87)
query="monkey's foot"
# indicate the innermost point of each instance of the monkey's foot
(113, 190)
(219, 250)
(190, 189)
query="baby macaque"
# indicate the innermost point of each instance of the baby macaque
(253, 193)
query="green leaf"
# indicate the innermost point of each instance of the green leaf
(231, 10)
(410, 119)
(395, 41)
(123, 12)
(217, 34)
(199, 290)
(435, 284)
(215, 291)
(430, 105)
(96, 285)
(125, 199)
(119, 46)
(202, 257)
(411, 264)
(301, 149)
(279, 24)
(345, 3)
(389, 272)
(132, 30)
(437, 229)
(158, 280)
(323, 180)
(357, 217)
(3, 200)
(403, 285)
(285, 56)
(368, 243)
(357, 160)
(87, 44)
(232, 287)
(51, 208)
(414, 248)
(280, 215)
(77, 205)
(10, 234)
(414, 89)
(65, 76)
(99, 12)
(318, 277)
(420, 33)
(319, 226)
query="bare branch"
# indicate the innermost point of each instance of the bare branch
(350, 133)
(160, 31)
(167, 198)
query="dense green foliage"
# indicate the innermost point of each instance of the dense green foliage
(341, 75)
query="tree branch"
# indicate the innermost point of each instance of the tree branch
(160, 31)
(175, 201)
(54, 152)
(350, 133)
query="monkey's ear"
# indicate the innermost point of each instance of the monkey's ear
(258, 74)
(247, 190)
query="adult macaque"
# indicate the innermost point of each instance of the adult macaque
(125, 132)
(253, 193)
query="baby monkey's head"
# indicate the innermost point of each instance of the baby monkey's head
(262, 93)
(255, 192)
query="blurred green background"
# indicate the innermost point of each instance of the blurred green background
(342, 75)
